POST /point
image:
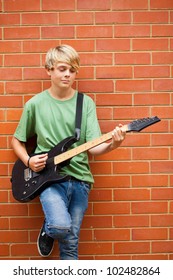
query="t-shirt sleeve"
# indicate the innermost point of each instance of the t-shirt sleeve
(93, 127)
(25, 128)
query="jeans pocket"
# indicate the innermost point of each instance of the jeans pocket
(86, 186)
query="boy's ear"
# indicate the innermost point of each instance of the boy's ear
(48, 72)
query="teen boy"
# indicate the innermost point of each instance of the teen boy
(50, 115)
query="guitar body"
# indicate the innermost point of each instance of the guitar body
(27, 184)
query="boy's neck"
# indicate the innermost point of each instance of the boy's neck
(61, 94)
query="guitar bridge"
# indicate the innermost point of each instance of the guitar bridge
(27, 174)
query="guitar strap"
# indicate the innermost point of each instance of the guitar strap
(79, 106)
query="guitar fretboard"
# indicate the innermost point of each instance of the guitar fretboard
(84, 147)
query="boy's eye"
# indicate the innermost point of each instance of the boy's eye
(61, 69)
(72, 70)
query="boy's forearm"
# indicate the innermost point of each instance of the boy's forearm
(103, 149)
(118, 137)
(20, 150)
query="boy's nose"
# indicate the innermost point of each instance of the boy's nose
(67, 72)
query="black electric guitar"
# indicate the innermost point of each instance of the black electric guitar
(27, 184)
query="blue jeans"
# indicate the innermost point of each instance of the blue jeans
(64, 205)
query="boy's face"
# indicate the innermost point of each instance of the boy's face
(63, 75)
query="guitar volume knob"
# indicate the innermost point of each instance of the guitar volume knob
(34, 182)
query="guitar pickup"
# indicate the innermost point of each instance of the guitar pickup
(27, 174)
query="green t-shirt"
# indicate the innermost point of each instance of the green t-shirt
(52, 120)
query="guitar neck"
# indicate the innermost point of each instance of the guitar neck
(85, 147)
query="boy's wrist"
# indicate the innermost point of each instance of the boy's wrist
(28, 161)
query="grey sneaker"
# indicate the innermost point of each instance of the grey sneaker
(44, 243)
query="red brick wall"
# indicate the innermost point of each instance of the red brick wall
(126, 50)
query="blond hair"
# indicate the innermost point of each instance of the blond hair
(62, 53)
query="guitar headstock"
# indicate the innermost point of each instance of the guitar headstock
(140, 124)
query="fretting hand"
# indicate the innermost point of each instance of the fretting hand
(118, 135)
